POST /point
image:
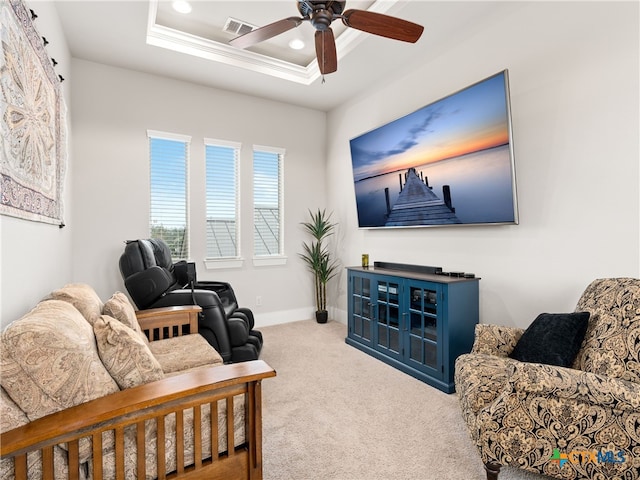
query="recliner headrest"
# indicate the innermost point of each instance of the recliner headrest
(147, 254)
(142, 254)
(161, 253)
(131, 260)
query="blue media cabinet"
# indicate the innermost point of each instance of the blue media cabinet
(416, 322)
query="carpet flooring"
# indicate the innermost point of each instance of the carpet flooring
(335, 413)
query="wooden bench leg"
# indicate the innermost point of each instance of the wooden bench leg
(493, 469)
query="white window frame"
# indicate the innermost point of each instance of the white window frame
(280, 258)
(212, 263)
(186, 139)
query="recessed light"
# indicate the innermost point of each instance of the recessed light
(296, 44)
(181, 6)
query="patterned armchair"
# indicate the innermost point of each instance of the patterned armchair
(567, 423)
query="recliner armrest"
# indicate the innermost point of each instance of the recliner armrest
(225, 293)
(238, 331)
(147, 286)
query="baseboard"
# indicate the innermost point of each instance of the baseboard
(338, 315)
(282, 316)
(295, 315)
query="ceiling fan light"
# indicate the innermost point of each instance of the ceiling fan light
(296, 44)
(181, 6)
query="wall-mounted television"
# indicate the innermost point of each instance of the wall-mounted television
(448, 163)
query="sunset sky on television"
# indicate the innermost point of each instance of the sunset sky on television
(470, 120)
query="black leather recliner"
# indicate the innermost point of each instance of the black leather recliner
(153, 280)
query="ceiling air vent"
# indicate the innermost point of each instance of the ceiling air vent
(237, 27)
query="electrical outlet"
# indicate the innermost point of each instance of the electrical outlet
(258, 300)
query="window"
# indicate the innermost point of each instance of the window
(169, 154)
(267, 201)
(222, 234)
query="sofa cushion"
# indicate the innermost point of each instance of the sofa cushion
(49, 360)
(612, 342)
(10, 414)
(178, 354)
(124, 354)
(120, 308)
(552, 339)
(81, 296)
(12, 417)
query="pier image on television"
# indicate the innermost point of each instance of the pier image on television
(449, 163)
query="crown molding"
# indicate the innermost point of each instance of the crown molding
(179, 41)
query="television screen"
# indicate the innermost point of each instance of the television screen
(449, 163)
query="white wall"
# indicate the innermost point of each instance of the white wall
(574, 85)
(113, 108)
(35, 258)
(574, 88)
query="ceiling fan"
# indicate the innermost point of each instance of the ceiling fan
(321, 13)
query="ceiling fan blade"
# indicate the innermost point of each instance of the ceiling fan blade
(264, 33)
(383, 25)
(326, 51)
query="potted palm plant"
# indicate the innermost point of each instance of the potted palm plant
(318, 258)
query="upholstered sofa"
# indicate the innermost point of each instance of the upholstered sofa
(98, 390)
(581, 421)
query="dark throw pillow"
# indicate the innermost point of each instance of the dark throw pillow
(553, 339)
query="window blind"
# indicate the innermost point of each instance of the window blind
(222, 232)
(267, 200)
(169, 154)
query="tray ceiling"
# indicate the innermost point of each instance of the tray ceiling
(145, 36)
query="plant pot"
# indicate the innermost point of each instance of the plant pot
(322, 316)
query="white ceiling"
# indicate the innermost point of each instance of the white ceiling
(207, 21)
(117, 33)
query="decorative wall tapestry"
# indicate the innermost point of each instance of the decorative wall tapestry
(32, 121)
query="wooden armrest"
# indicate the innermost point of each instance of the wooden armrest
(131, 405)
(159, 319)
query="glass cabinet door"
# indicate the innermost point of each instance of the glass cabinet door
(423, 328)
(362, 308)
(387, 337)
